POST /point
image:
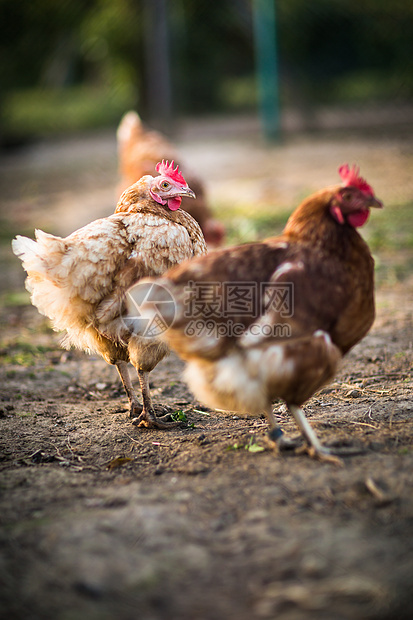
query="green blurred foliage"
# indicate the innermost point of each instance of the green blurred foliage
(331, 48)
(111, 38)
(49, 111)
(329, 51)
(210, 45)
(34, 36)
(68, 65)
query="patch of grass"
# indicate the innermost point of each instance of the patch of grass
(245, 227)
(15, 298)
(39, 112)
(22, 353)
(390, 228)
(64, 373)
(180, 416)
(251, 446)
(389, 234)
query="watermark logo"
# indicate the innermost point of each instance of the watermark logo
(151, 309)
(278, 298)
(221, 299)
(214, 309)
(231, 329)
(238, 299)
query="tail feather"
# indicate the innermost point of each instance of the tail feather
(22, 244)
(41, 260)
(52, 280)
(39, 256)
(31, 255)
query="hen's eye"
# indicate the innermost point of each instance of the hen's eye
(347, 196)
(165, 184)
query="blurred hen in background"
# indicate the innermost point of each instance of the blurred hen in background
(139, 149)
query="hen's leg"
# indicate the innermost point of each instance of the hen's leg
(315, 449)
(276, 434)
(135, 406)
(148, 416)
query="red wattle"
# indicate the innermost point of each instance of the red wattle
(358, 218)
(174, 203)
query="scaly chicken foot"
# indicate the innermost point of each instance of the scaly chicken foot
(142, 415)
(313, 447)
(148, 417)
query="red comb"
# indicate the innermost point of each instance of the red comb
(167, 169)
(350, 176)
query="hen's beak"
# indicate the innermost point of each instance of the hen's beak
(374, 203)
(187, 192)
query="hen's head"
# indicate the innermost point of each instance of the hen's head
(170, 186)
(352, 202)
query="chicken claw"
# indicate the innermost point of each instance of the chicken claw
(323, 454)
(312, 447)
(148, 419)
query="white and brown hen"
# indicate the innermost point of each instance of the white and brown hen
(79, 282)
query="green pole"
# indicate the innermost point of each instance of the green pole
(265, 43)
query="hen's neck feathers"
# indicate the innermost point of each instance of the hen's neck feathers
(312, 224)
(135, 195)
(136, 200)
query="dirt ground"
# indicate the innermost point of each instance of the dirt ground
(105, 521)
